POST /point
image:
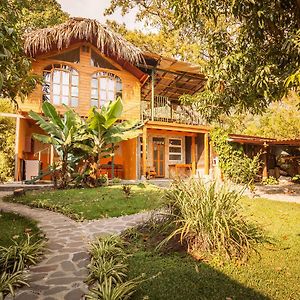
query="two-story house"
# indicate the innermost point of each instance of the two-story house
(85, 64)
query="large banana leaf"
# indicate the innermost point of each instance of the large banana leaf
(50, 112)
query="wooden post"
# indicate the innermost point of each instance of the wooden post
(17, 137)
(193, 156)
(152, 94)
(206, 154)
(51, 155)
(144, 147)
(265, 161)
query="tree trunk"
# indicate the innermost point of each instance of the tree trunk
(64, 170)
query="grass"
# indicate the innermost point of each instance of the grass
(273, 274)
(109, 201)
(14, 227)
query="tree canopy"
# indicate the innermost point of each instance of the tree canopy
(15, 18)
(251, 48)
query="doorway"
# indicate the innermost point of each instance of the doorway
(159, 156)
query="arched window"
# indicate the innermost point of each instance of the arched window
(61, 85)
(106, 87)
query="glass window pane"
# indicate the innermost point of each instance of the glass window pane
(94, 83)
(103, 95)
(103, 102)
(56, 100)
(65, 90)
(174, 157)
(94, 93)
(65, 100)
(111, 84)
(56, 89)
(56, 76)
(103, 83)
(75, 80)
(47, 77)
(46, 97)
(74, 102)
(111, 96)
(119, 86)
(74, 91)
(175, 142)
(94, 102)
(175, 149)
(65, 77)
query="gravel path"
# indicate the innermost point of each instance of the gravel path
(63, 270)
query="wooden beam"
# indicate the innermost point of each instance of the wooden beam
(144, 147)
(265, 162)
(206, 154)
(17, 137)
(152, 93)
(193, 156)
(10, 115)
(169, 132)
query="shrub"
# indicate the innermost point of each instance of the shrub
(108, 270)
(13, 260)
(270, 181)
(116, 180)
(209, 219)
(235, 165)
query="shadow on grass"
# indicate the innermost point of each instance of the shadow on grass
(183, 278)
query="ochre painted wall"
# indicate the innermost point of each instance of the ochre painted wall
(131, 86)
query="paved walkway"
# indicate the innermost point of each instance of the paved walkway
(64, 268)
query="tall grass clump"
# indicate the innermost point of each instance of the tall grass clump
(208, 218)
(13, 260)
(108, 270)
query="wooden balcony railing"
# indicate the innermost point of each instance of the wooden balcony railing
(165, 110)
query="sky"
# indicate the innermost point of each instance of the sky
(94, 9)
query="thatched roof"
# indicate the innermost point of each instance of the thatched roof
(78, 29)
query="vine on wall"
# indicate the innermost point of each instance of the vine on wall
(234, 163)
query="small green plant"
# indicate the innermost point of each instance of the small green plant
(270, 181)
(116, 180)
(296, 178)
(108, 270)
(209, 219)
(103, 179)
(127, 190)
(13, 260)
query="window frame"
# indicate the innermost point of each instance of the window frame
(175, 146)
(62, 68)
(118, 92)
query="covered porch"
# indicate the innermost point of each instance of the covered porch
(170, 150)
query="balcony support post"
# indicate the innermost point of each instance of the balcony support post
(144, 154)
(206, 154)
(193, 156)
(152, 93)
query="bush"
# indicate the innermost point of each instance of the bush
(209, 219)
(13, 260)
(108, 270)
(235, 165)
(270, 181)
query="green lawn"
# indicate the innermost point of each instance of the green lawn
(13, 226)
(95, 203)
(273, 274)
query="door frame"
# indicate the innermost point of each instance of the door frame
(163, 147)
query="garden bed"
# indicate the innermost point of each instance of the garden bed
(95, 203)
(273, 273)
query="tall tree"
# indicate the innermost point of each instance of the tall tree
(252, 48)
(15, 17)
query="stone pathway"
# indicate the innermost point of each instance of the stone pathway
(63, 270)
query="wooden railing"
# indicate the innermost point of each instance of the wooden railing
(168, 111)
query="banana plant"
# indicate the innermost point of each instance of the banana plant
(68, 135)
(107, 131)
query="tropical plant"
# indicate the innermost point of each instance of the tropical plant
(108, 270)
(14, 259)
(68, 135)
(234, 163)
(270, 181)
(7, 141)
(209, 219)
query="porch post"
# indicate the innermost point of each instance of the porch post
(206, 154)
(17, 136)
(144, 156)
(152, 93)
(193, 154)
(265, 161)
